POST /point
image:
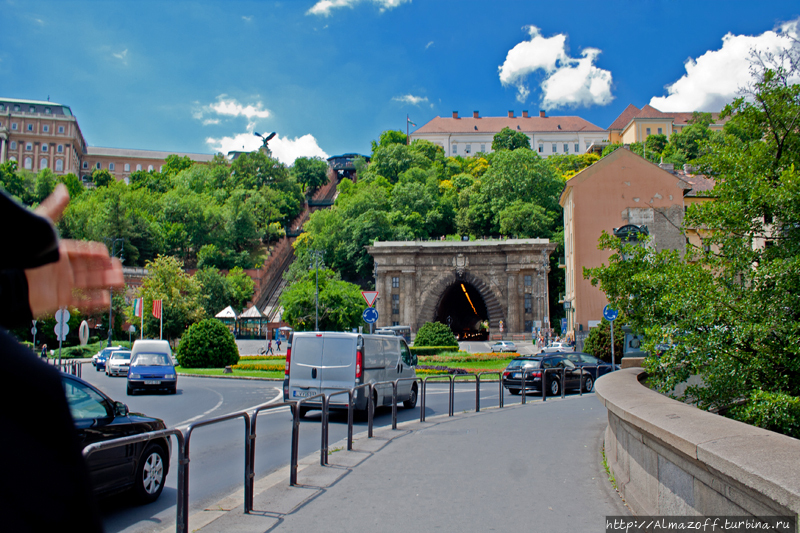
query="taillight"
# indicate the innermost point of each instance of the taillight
(359, 363)
(536, 374)
(288, 360)
(505, 374)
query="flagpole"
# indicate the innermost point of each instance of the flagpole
(141, 315)
(161, 317)
(407, 130)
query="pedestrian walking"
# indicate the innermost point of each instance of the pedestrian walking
(269, 349)
(279, 345)
(44, 351)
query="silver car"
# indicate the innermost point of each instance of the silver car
(118, 363)
(504, 346)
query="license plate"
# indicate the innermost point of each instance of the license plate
(301, 393)
(152, 382)
(516, 375)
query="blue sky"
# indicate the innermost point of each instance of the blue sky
(329, 76)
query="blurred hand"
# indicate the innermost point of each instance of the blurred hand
(81, 277)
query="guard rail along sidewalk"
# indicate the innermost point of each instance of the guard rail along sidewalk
(250, 418)
(670, 458)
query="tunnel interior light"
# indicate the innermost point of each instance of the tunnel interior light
(468, 298)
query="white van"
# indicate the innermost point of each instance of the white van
(327, 361)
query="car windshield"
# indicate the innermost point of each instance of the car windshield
(151, 359)
(120, 355)
(107, 351)
(519, 363)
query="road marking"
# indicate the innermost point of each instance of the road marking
(278, 396)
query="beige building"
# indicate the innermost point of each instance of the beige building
(634, 124)
(620, 189)
(467, 136)
(38, 135)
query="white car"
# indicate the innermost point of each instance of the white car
(504, 346)
(118, 363)
(555, 347)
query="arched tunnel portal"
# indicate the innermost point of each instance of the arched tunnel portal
(462, 308)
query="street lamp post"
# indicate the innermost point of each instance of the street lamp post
(111, 305)
(318, 254)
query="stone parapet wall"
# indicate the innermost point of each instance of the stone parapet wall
(670, 458)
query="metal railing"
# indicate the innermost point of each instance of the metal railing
(70, 367)
(250, 419)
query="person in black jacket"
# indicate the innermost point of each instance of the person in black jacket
(47, 483)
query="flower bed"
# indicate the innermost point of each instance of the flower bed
(261, 357)
(255, 366)
(464, 357)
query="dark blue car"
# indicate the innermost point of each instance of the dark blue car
(100, 358)
(151, 370)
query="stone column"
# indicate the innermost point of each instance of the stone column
(408, 303)
(2, 150)
(512, 297)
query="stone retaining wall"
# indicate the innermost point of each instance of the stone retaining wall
(669, 458)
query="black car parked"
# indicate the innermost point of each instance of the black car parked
(534, 365)
(140, 467)
(591, 365)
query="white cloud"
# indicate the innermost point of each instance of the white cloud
(566, 81)
(122, 56)
(428, 45)
(247, 18)
(231, 108)
(284, 149)
(715, 78)
(411, 99)
(324, 7)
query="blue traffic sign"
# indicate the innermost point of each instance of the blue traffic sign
(610, 314)
(370, 315)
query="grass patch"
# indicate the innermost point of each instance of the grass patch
(608, 470)
(236, 373)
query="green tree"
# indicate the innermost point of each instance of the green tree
(389, 137)
(180, 295)
(208, 344)
(73, 183)
(45, 184)
(174, 164)
(598, 343)
(215, 290)
(508, 139)
(340, 303)
(435, 334)
(728, 310)
(241, 287)
(102, 177)
(310, 172)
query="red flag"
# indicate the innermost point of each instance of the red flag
(157, 308)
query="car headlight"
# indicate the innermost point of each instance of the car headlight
(135, 376)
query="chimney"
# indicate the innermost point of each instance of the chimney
(511, 114)
(475, 114)
(455, 114)
(525, 114)
(541, 114)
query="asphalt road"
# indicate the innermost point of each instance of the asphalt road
(217, 452)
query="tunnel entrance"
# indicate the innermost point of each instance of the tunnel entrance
(463, 309)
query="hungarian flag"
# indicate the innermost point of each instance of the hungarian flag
(409, 121)
(157, 308)
(137, 307)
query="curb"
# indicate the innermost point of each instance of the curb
(228, 377)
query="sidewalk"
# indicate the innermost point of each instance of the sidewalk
(534, 467)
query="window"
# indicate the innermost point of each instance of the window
(85, 165)
(32, 109)
(138, 167)
(566, 148)
(541, 148)
(46, 110)
(468, 149)
(395, 304)
(44, 147)
(528, 304)
(127, 167)
(149, 168)
(30, 127)
(577, 147)
(648, 131)
(61, 129)
(59, 165)
(84, 403)
(2, 107)
(46, 128)
(16, 108)
(528, 280)
(12, 158)
(483, 148)
(42, 163)
(395, 323)
(13, 145)
(29, 147)
(555, 148)
(60, 149)
(455, 148)
(28, 163)
(395, 283)
(111, 166)
(97, 165)
(161, 168)
(13, 125)
(529, 325)
(660, 131)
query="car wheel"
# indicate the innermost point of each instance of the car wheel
(303, 411)
(150, 473)
(97, 369)
(588, 384)
(555, 388)
(174, 390)
(515, 392)
(412, 400)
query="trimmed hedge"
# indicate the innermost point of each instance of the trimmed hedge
(208, 344)
(435, 334)
(432, 350)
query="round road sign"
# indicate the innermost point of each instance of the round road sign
(610, 314)
(370, 315)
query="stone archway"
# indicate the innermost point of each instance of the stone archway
(510, 276)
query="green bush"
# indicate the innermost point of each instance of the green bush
(775, 411)
(208, 344)
(432, 350)
(598, 343)
(435, 334)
